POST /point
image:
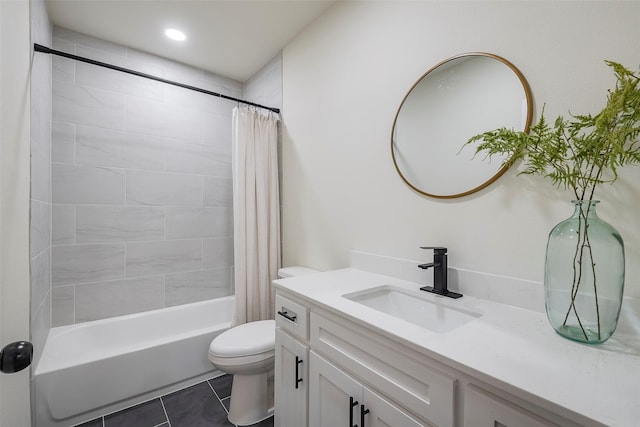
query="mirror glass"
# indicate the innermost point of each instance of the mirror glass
(455, 100)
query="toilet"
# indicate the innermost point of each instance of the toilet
(248, 352)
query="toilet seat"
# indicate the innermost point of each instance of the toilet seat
(250, 339)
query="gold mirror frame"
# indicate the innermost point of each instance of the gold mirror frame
(502, 170)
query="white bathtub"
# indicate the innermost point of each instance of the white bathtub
(93, 368)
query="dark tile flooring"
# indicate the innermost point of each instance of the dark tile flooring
(202, 405)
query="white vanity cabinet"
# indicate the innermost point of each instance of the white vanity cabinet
(337, 399)
(482, 409)
(333, 370)
(407, 381)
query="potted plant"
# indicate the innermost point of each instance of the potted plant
(584, 265)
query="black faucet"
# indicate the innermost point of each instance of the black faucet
(439, 265)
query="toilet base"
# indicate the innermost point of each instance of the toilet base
(250, 399)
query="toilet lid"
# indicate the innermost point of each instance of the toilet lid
(245, 340)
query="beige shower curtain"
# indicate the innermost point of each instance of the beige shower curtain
(256, 225)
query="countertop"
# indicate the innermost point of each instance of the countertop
(510, 346)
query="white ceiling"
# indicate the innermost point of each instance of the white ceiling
(233, 38)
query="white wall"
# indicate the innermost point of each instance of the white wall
(344, 78)
(15, 54)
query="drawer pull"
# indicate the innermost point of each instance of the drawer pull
(352, 404)
(288, 315)
(363, 412)
(298, 379)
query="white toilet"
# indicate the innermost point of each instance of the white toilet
(248, 351)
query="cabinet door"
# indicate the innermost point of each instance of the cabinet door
(291, 388)
(482, 409)
(384, 414)
(334, 397)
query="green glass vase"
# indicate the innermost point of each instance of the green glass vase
(584, 276)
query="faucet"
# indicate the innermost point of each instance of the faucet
(439, 265)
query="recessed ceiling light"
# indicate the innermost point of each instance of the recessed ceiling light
(174, 34)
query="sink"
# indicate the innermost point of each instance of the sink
(424, 311)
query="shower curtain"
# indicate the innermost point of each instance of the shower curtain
(256, 225)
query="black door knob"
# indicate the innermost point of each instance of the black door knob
(16, 356)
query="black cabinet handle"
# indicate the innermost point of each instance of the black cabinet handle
(363, 412)
(285, 314)
(298, 363)
(352, 404)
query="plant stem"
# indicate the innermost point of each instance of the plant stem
(577, 275)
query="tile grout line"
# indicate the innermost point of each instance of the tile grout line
(165, 410)
(217, 397)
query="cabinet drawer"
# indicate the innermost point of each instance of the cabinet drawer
(483, 409)
(409, 382)
(292, 317)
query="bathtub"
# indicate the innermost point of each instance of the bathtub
(94, 368)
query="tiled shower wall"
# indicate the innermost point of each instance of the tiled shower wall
(265, 87)
(40, 221)
(141, 184)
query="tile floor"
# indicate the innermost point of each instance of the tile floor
(202, 405)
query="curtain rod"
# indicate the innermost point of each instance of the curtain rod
(44, 49)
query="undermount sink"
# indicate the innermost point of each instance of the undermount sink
(426, 312)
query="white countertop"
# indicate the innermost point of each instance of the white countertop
(512, 346)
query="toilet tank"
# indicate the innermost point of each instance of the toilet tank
(295, 271)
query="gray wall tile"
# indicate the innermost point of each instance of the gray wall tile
(265, 87)
(41, 128)
(40, 226)
(40, 327)
(218, 191)
(191, 100)
(163, 189)
(161, 119)
(96, 224)
(216, 134)
(187, 222)
(63, 224)
(83, 39)
(106, 147)
(226, 86)
(195, 158)
(183, 73)
(40, 181)
(183, 288)
(63, 139)
(63, 305)
(115, 298)
(88, 106)
(217, 253)
(87, 184)
(87, 263)
(162, 257)
(116, 81)
(63, 45)
(40, 279)
(146, 62)
(63, 69)
(119, 59)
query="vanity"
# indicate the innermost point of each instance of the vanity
(356, 348)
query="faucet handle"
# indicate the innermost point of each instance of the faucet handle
(438, 250)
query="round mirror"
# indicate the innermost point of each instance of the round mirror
(455, 100)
